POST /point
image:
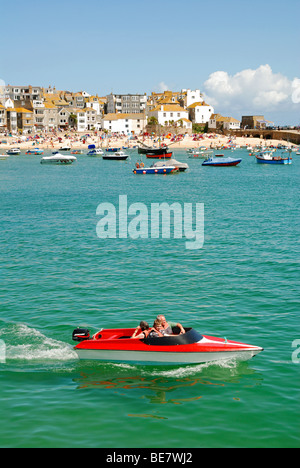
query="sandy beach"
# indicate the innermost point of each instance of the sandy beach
(80, 142)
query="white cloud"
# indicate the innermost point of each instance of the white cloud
(258, 90)
(163, 87)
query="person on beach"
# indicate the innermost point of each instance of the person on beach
(167, 327)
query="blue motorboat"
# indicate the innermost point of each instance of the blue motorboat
(220, 161)
(112, 150)
(35, 151)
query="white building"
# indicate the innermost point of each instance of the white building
(200, 112)
(218, 122)
(232, 124)
(81, 119)
(126, 124)
(169, 113)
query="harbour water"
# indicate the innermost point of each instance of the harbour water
(56, 274)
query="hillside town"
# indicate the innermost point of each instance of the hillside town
(30, 110)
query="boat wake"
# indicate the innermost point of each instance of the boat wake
(190, 370)
(23, 343)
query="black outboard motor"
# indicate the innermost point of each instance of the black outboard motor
(81, 334)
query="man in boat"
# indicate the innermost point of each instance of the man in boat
(167, 327)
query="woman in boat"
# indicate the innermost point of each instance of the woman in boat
(142, 331)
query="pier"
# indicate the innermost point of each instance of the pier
(292, 136)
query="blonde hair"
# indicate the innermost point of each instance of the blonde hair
(157, 322)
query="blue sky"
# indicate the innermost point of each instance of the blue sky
(137, 47)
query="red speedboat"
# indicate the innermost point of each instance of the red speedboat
(115, 345)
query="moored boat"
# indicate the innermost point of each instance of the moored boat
(172, 162)
(151, 155)
(268, 158)
(155, 170)
(200, 154)
(96, 152)
(3, 157)
(152, 150)
(35, 151)
(221, 161)
(58, 159)
(13, 151)
(116, 345)
(65, 148)
(112, 150)
(117, 156)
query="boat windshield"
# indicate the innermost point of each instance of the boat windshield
(191, 336)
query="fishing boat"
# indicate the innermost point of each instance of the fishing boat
(268, 158)
(13, 151)
(152, 150)
(221, 161)
(58, 159)
(117, 156)
(172, 162)
(37, 151)
(116, 345)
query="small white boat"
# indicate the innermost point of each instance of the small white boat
(59, 159)
(4, 156)
(13, 151)
(65, 148)
(118, 156)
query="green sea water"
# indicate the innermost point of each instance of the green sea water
(56, 274)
